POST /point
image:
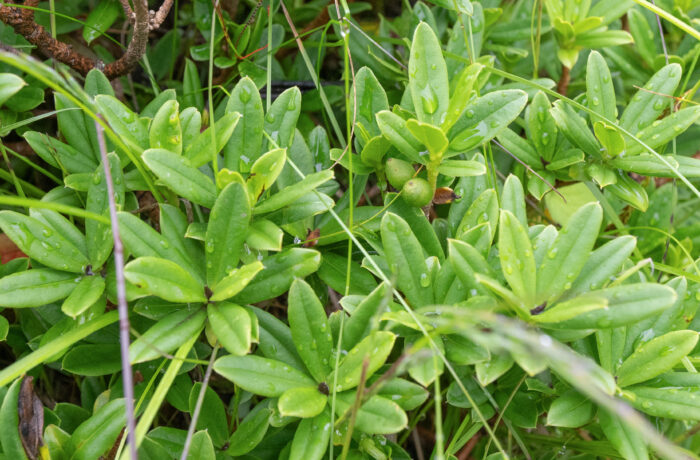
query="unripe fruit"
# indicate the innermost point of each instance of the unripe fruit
(398, 172)
(417, 192)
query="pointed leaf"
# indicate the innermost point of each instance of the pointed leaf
(164, 279)
(262, 376)
(310, 329)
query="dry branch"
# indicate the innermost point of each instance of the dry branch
(21, 19)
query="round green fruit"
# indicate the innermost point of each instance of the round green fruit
(417, 192)
(398, 172)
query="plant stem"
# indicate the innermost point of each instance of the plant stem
(127, 376)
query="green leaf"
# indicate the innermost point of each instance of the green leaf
(488, 371)
(407, 395)
(371, 99)
(651, 100)
(662, 131)
(461, 95)
(427, 79)
(40, 242)
(212, 415)
(655, 357)
(420, 226)
(378, 415)
(431, 137)
(365, 316)
(571, 309)
(62, 226)
(35, 287)
(521, 148)
(405, 257)
(54, 152)
(574, 128)
(92, 359)
(261, 376)
(630, 191)
(393, 127)
(98, 235)
(374, 348)
(88, 290)
(100, 19)
(232, 326)
(610, 138)
(279, 272)
(627, 304)
(265, 172)
(98, 434)
(235, 281)
(245, 143)
(482, 120)
(192, 95)
(513, 199)
(132, 130)
(483, 210)
(647, 164)
(517, 260)
(670, 403)
(281, 120)
(540, 126)
(9, 419)
(461, 168)
(276, 340)
(628, 441)
(311, 438)
(10, 84)
(292, 193)
(165, 131)
(201, 446)
(467, 262)
(304, 402)
(310, 329)
(264, 235)
(567, 256)
(166, 335)
(201, 151)
(164, 279)
(599, 87)
(250, 432)
(460, 6)
(185, 180)
(226, 231)
(571, 410)
(141, 240)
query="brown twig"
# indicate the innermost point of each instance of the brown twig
(563, 84)
(21, 19)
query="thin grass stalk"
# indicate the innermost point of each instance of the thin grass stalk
(127, 376)
(198, 404)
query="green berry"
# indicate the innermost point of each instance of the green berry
(417, 192)
(398, 172)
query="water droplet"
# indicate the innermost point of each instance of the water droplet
(209, 247)
(164, 244)
(552, 253)
(47, 232)
(244, 95)
(270, 117)
(424, 280)
(292, 105)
